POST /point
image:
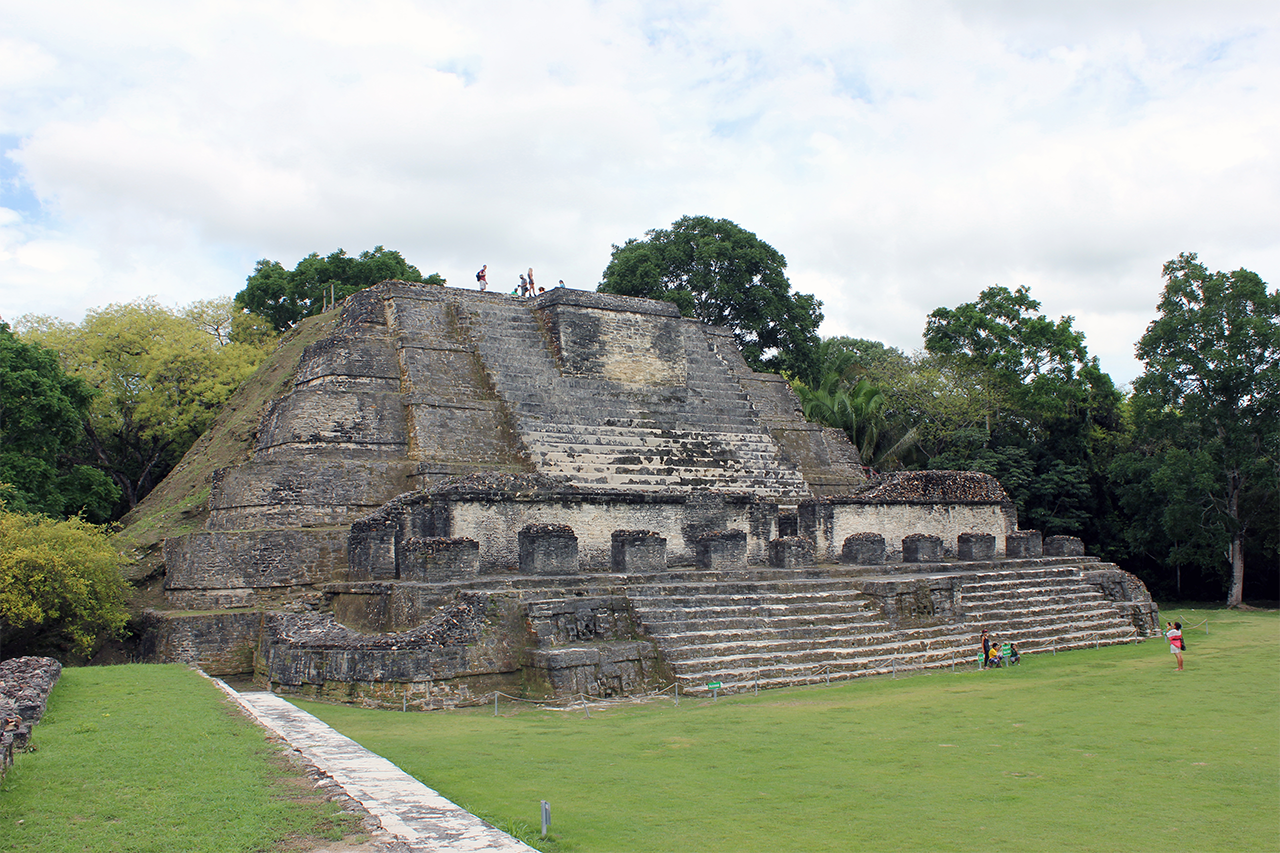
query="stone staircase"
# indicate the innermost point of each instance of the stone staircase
(705, 432)
(774, 631)
(756, 627)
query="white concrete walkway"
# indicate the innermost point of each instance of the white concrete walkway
(410, 812)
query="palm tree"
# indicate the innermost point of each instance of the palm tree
(856, 408)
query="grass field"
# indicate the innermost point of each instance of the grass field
(1097, 750)
(152, 758)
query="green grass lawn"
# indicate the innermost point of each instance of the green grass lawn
(1099, 750)
(152, 758)
(1096, 750)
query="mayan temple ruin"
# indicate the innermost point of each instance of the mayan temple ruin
(458, 493)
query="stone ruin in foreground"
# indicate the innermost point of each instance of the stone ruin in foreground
(580, 493)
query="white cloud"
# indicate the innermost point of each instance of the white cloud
(901, 156)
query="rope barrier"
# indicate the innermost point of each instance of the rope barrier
(583, 701)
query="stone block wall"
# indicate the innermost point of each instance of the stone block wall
(490, 508)
(914, 603)
(218, 643)
(245, 564)
(829, 521)
(25, 685)
(637, 552)
(863, 549)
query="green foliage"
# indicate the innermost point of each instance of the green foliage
(147, 758)
(60, 585)
(1207, 412)
(970, 760)
(284, 297)
(42, 413)
(160, 378)
(1040, 413)
(722, 274)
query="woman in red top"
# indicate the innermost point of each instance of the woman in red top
(1175, 640)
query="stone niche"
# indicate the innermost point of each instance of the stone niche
(943, 503)
(490, 507)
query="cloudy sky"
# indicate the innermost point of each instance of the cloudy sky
(903, 156)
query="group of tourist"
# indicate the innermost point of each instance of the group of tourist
(526, 288)
(995, 653)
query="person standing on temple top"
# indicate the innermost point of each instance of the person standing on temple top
(524, 286)
(531, 281)
(561, 284)
(480, 277)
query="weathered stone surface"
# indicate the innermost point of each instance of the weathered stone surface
(25, 685)
(303, 492)
(218, 643)
(211, 559)
(975, 546)
(790, 552)
(516, 475)
(863, 549)
(548, 549)
(896, 509)
(912, 603)
(921, 548)
(601, 669)
(435, 558)
(1023, 544)
(566, 621)
(638, 552)
(1129, 594)
(1063, 546)
(720, 550)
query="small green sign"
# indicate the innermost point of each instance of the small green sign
(714, 685)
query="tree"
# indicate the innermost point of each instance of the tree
(286, 296)
(42, 413)
(161, 380)
(60, 585)
(1211, 386)
(1053, 409)
(722, 274)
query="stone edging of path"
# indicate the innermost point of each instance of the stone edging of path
(410, 813)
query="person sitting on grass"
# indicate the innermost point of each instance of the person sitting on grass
(1010, 653)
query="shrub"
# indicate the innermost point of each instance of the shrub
(60, 584)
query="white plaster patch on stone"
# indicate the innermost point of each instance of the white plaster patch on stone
(408, 810)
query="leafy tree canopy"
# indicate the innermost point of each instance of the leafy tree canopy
(42, 412)
(60, 585)
(161, 378)
(1211, 388)
(722, 274)
(286, 296)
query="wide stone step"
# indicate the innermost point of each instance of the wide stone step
(779, 600)
(698, 632)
